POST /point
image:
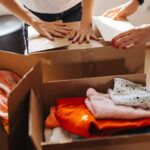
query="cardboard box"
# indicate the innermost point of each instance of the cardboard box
(92, 62)
(27, 68)
(76, 88)
(98, 58)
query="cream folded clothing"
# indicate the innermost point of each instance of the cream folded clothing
(57, 135)
(131, 94)
(102, 107)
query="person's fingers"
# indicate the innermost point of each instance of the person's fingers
(126, 44)
(121, 35)
(87, 38)
(57, 34)
(76, 38)
(107, 13)
(62, 31)
(93, 36)
(60, 24)
(131, 45)
(64, 28)
(122, 40)
(119, 14)
(72, 35)
(46, 34)
(81, 39)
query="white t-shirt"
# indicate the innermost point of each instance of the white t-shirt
(50, 6)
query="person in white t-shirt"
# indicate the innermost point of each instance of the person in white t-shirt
(67, 10)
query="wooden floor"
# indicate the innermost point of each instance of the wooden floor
(147, 66)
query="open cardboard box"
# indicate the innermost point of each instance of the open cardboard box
(104, 26)
(51, 91)
(76, 61)
(94, 62)
(27, 68)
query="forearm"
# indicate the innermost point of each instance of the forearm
(87, 11)
(16, 8)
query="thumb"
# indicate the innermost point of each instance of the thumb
(120, 14)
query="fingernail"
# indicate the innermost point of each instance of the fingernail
(117, 47)
(124, 48)
(69, 32)
(62, 35)
(113, 45)
(112, 40)
(87, 41)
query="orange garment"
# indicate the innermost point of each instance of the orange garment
(8, 81)
(51, 121)
(74, 116)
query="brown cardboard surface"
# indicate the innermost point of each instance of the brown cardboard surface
(98, 58)
(38, 43)
(26, 67)
(35, 123)
(102, 61)
(3, 138)
(101, 25)
(43, 43)
(74, 88)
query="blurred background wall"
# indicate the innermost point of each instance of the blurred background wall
(140, 17)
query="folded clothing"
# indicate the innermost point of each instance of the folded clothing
(74, 116)
(60, 135)
(51, 121)
(102, 107)
(131, 94)
(8, 81)
(52, 126)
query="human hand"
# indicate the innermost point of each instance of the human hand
(50, 29)
(137, 36)
(123, 11)
(83, 33)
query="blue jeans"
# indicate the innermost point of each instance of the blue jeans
(71, 15)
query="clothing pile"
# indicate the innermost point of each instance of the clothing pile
(125, 107)
(8, 81)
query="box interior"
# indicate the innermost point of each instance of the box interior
(70, 88)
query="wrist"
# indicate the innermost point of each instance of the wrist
(33, 20)
(135, 3)
(86, 20)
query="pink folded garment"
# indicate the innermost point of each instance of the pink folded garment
(102, 107)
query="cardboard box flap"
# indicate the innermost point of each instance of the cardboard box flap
(3, 138)
(35, 122)
(77, 88)
(17, 98)
(57, 65)
(132, 142)
(17, 63)
(39, 43)
(109, 28)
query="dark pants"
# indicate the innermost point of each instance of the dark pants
(71, 15)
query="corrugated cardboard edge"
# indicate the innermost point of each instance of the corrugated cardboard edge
(35, 122)
(18, 102)
(4, 138)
